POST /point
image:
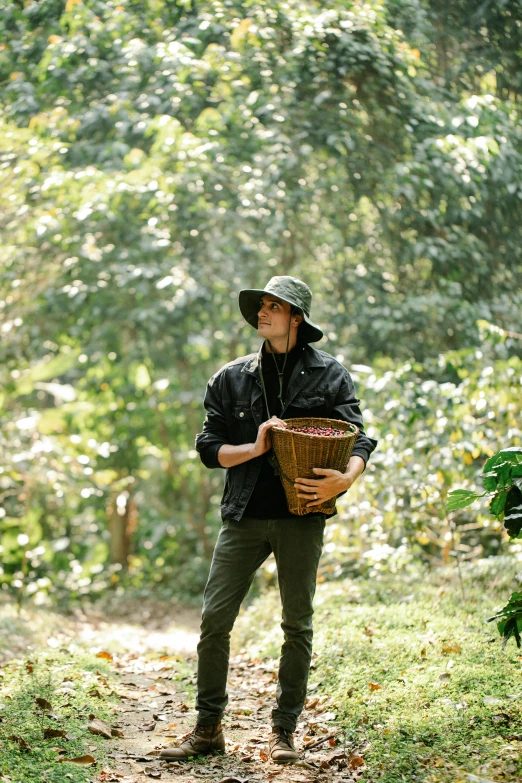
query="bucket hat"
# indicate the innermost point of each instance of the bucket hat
(290, 290)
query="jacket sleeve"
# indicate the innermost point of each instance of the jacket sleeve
(346, 407)
(215, 432)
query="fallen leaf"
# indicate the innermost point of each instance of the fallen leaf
(374, 686)
(337, 756)
(106, 655)
(82, 761)
(66, 688)
(96, 693)
(152, 773)
(113, 777)
(502, 717)
(332, 742)
(327, 716)
(50, 733)
(234, 780)
(449, 649)
(164, 689)
(355, 760)
(263, 755)
(117, 732)
(312, 703)
(184, 708)
(100, 728)
(20, 741)
(43, 703)
(29, 667)
(148, 726)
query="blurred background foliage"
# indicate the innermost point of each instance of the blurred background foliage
(156, 157)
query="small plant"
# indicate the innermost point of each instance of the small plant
(502, 478)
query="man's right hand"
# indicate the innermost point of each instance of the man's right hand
(230, 456)
(263, 441)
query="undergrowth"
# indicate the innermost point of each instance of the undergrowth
(45, 694)
(409, 666)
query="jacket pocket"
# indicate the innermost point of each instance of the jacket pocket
(243, 423)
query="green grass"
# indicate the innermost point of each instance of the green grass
(436, 660)
(64, 678)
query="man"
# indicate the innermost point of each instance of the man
(244, 400)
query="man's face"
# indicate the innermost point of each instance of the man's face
(273, 317)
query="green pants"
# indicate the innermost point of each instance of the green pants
(240, 549)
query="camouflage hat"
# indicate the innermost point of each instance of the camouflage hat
(290, 290)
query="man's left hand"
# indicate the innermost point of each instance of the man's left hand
(322, 489)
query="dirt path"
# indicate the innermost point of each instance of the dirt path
(156, 670)
(153, 651)
(156, 712)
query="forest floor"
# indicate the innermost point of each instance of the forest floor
(408, 683)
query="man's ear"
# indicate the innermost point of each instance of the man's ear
(297, 318)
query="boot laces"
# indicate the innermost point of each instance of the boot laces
(285, 734)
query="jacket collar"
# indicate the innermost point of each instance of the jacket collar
(311, 358)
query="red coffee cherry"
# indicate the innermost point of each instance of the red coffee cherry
(324, 431)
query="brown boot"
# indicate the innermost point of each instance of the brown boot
(281, 744)
(200, 741)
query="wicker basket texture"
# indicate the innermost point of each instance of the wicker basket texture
(298, 453)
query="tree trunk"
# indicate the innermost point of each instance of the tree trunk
(122, 516)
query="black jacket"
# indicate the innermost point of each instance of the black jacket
(319, 386)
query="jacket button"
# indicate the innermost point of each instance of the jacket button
(241, 415)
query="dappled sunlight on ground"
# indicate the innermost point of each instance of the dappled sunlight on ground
(127, 627)
(123, 637)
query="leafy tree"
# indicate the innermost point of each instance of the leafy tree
(156, 157)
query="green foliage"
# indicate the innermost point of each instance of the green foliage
(64, 679)
(502, 476)
(460, 498)
(157, 157)
(510, 622)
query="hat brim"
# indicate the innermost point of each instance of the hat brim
(249, 307)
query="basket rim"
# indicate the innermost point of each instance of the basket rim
(354, 431)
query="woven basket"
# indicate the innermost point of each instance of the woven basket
(297, 453)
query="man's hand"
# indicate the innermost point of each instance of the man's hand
(263, 441)
(334, 482)
(230, 456)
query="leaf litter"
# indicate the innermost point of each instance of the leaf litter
(247, 728)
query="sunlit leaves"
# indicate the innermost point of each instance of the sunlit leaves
(460, 498)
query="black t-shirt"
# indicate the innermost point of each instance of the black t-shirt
(268, 499)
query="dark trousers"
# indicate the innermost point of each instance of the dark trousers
(240, 549)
